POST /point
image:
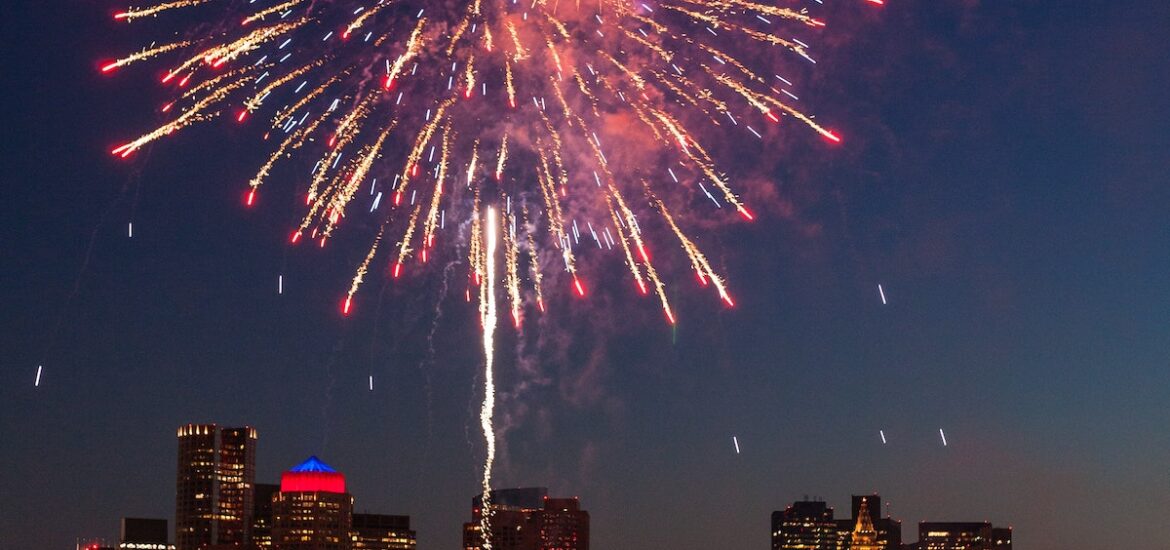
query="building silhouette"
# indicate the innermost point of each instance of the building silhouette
(144, 534)
(934, 535)
(382, 532)
(527, 519)
(811, 525)
(214, 486)
(805, 524)
(312, 510)
(261, 534)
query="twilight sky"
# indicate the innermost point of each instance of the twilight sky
(1005, 178)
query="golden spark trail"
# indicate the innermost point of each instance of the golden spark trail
(503, 157)
(534, 264)
(269, 11)
(189, 117)
(698, 260)
(488, 299)
(136, 13)
(293, 141)
(144, 55)
(404, 246)
(361, 273)
(432, 220)
(512, 275)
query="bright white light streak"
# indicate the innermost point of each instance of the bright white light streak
(943, 436)
(488, 312)
(735, 440)
(280, 284)
(371, 382)
(130, 230)
(883, 434)
(37, 382)
(882, 293)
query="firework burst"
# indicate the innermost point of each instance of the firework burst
(445, 108)
(551, 127)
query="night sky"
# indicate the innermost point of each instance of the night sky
(1004, 177)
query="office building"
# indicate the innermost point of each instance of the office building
(382, 532)
(312, 510)
(962, 536)
(527, 519)
(805, 525)
(144, 534)
(261, 534)
(214, 488)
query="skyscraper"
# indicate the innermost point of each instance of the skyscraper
(526, 519)
(805, 525)
(312, 511)
(564, 525)
(214, 488)
(382, 532)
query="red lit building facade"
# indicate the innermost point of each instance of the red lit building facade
(312, 511)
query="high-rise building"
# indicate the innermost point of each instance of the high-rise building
(144, 534)
(312, 511)
(864, 536)
(806, 525)
(526, 519)
(214, 489)
(382, 532)
(963, 536)
(564, 525)
(261, 535)
(888, 531)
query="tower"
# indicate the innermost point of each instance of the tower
(864, 536)
(312, 511)
(214, 486)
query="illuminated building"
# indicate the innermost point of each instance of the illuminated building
(93, 544)
(382, 532)
(144, 534)
(864, 536)
(261, 535)
(809, 524)
(888, 531)
(963, 536)
(213, 498)
(1001, 538)
(526, 519)
(806, 525)
(312, 511)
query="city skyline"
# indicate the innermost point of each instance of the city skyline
(962, 306)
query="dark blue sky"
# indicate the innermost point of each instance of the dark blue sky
(1005, 179)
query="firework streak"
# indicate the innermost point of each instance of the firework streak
(573, 124)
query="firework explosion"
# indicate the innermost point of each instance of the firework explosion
(573, 124)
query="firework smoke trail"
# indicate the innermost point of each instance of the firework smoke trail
(488, 307)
